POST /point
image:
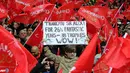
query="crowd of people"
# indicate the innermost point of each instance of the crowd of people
(50, 60)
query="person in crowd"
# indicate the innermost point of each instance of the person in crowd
(35, 52)
(23, 35)
(39, 66)
(29, 31)
(49, 66)
(66, 61)
(15, 27)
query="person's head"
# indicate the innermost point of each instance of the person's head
(47, 64)
(35, 51)
(16, 25)
(30, 30)
(22, 34)
(70, 51)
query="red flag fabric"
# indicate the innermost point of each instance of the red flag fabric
(127, 13)
(63, 2)
(106, 30)
(100, 66)
(11, 4)
(91, 30)
(40, 2)
(118, 56)
(111, 1)
(42, 11)
(32, 61)
(52, 1)
(37, 35)
(3, 11)
(23, 18)
(66, 11)
(94, 15)
(25, 2)
(85, 62)
(13, 58)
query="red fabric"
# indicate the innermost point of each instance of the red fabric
(4, 3)
(32, 61)
(52, 1)
(14, 50)
(40, 2)
(65, 11)
(25, 2)
(85, 61)
(94, 15)
(42, 11)
(3, 11)
(111, 1)
(100, 66)
(91, 30)
(118, 55)
(37, 35)
(128, 36)
(63, 2)
(127, 13)
(11, 4)
(116, 61)
(23, 18)
(11, 14)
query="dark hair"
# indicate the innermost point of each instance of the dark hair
(70, 48)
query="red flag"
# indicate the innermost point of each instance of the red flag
(37, 35)
(100, 66)
(25, 2)
(3, 11)
(32, 61)
(111, 1)
(40, 2)
(13, 58)
(42, 11)
(94, 15)
(23, 18)
(63, 2)
(106, 30)
(91, 30)
(4, 2)
(127, 13)
(118, 55)
(85, 62)
(65, 11)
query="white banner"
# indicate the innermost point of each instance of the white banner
(64, 32)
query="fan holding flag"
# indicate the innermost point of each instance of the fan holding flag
(65, 62)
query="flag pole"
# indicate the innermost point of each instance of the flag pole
(46, 19)
(32, 33)
(112, 30)
(117, 12)
(110, 70)
(51, 13)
